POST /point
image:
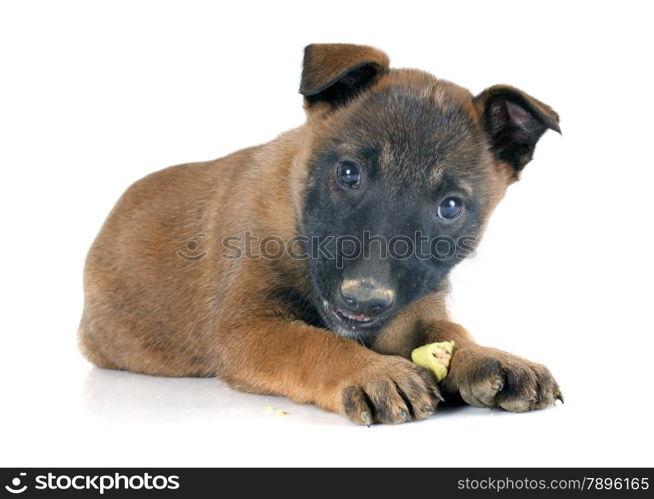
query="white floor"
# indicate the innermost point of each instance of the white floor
(105, 418)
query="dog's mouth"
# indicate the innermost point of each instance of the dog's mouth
(355, 320)
(350, 324)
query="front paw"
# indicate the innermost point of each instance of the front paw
(486, 377)
(390, 390)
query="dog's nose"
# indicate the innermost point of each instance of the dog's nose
(367, 296)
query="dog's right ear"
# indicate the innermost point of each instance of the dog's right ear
(334, 73)
(514, 121)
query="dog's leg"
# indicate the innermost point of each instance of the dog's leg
(483, 376)
(309, 364)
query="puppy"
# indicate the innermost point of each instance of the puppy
(313, 265)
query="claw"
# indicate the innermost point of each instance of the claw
(366, 418)
(560, 397)
(405, 415)
(437, 393)
(440, 397)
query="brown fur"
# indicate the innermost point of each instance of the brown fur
(148, 310)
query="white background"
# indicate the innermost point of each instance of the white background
(95, 95)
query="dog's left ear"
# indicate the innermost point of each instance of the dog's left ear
(334, 73)
(514, 121)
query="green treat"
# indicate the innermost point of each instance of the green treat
(435, 357)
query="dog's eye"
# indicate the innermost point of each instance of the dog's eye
(450, 208)
(348, 174)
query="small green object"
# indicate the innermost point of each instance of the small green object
(435, 357)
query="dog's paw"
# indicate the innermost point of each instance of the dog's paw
(391, 390)
(486, 377)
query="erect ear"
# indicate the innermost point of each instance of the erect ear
(514, 122)
(333, 73)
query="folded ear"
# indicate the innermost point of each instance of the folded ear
(514, 122)
(334, 73)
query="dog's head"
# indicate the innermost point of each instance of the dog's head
(404, 170)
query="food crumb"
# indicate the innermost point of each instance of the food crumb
(435, 357)
(268, 408)
(282, 413)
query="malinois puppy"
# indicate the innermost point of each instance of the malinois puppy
(358, 216)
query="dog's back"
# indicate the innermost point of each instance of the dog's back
(148, 293)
